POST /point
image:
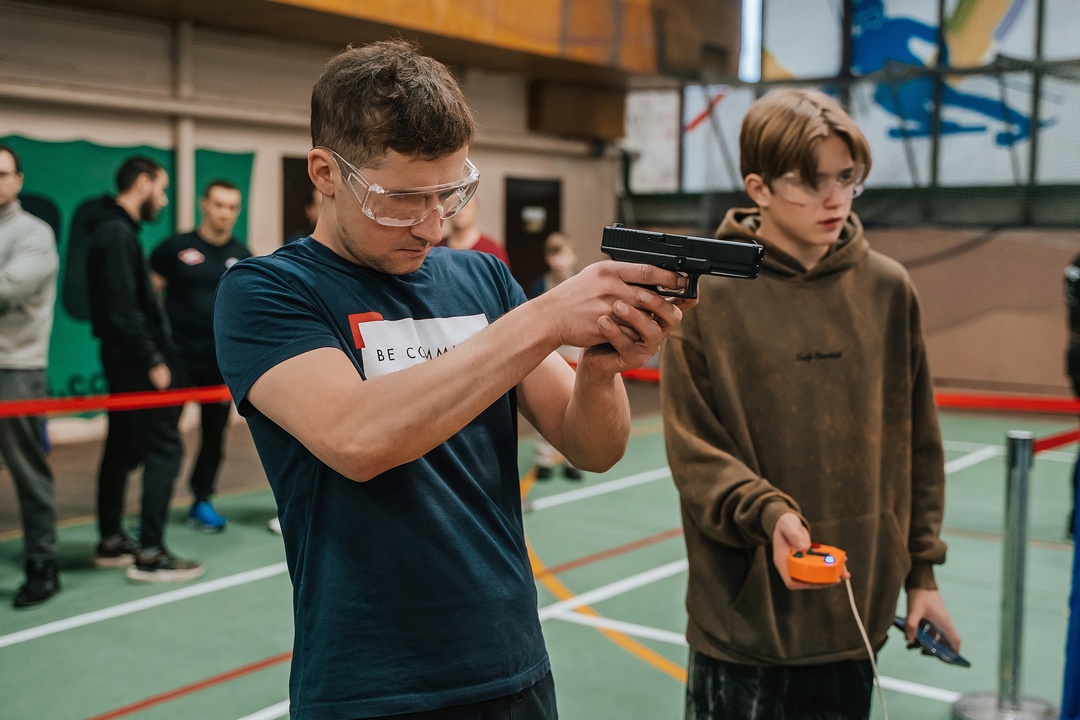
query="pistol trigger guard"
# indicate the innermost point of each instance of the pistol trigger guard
(690, 291)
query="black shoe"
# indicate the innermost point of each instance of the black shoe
(572, 473)
(161, 567)
(42, 582)
(543, 473)
(1069, 525)
(115, 552)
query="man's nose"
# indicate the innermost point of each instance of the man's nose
(430, 228)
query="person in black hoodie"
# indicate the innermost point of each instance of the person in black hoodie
(127, 319)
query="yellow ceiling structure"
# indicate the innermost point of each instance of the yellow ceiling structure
(615, 43)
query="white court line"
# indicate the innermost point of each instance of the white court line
(143, 604)
(634, 630)
(273, 712)
(601, 488)
(616, 588)
(923, 691)
(279, 568)
(565, 610)
(549, 611)
(1054, 455)
(961, 445)
(631, 629)
(973, 458)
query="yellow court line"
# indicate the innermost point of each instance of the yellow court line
(561, 592)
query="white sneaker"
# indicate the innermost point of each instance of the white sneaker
(274, 526)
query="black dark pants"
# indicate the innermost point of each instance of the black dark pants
(137, 437)
(22, 451)
(718, 690)
(201, 371)
(533, 703)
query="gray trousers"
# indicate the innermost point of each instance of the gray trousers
(22, 450)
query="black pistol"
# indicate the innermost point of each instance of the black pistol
(692, 256)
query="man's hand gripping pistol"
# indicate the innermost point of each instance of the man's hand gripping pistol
(692, 256)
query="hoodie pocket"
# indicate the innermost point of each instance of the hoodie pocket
(774, 624)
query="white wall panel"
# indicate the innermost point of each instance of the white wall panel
(86, 50)
(231, 67)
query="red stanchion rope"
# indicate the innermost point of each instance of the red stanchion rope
(219, 393)
(1054, 441)
(1008, 403)
(116, 401)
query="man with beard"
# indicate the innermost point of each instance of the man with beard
(127, 318)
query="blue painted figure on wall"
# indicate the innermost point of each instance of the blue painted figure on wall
(879, 39)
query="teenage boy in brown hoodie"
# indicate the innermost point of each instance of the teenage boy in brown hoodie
(799, 407)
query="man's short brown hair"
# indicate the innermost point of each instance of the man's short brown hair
(387, 96)
(783, 129)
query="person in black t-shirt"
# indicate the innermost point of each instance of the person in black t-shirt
(188, 266)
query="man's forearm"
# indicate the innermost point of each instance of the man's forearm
(597, 423)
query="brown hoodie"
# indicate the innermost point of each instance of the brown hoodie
(804, 391)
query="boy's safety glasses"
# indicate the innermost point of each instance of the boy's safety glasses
(405, 208)
(792, 188)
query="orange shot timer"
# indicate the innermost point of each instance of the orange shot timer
(821, 565)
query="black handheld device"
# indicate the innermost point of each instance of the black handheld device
(932, 642)
(692, 256)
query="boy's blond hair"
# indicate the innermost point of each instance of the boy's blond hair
(782, 130)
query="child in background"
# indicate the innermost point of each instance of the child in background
(561, 260)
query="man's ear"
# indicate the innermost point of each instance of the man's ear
(319, 167)
(758, 191)
(144, 185)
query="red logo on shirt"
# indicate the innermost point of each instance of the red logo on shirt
(354, 322)
(191, 256)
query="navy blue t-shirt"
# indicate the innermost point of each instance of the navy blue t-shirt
(412, 591)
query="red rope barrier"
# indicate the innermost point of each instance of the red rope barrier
(1054, 441)
(1008, 403)
(116, 401)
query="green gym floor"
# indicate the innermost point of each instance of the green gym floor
(611, 573)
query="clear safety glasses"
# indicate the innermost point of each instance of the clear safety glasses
(405, 208)
(793, 189)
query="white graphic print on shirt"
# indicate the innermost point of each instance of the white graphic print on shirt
(387, 346)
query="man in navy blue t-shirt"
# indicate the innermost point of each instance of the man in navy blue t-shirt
(381, 379)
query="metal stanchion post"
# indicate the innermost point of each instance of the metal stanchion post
(1006, 703)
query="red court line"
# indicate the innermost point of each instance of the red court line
(193, 688)
(609, 553)
(116, 401)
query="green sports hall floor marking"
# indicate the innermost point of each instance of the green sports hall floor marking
(239, 616)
